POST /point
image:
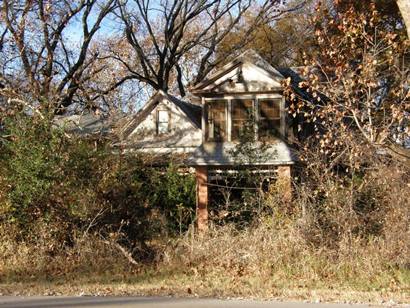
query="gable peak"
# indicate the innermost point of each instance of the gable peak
(251, 58)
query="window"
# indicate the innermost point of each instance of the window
(242, 118)
(162, 122)
(215, 121)
(269, 119)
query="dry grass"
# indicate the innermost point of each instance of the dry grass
(278, 258)
(269, 261)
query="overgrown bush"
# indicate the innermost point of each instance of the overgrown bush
(58, 186)
(355, 197)
(349, 229)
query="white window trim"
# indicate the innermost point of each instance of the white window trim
(228, 113)
(158, 122)
(204, 118)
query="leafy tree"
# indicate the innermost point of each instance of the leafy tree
(356, 82)
(281, 40)
(31, 158)
(57, 186)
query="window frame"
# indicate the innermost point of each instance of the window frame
(228, 98)
(280, 118)
(207, 121)
(158, 122)
(252, 115)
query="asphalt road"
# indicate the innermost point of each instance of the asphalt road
(157, 302)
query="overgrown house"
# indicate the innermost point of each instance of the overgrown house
(245, 94)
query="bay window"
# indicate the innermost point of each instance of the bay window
(235, 119)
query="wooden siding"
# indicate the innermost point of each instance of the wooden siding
(182, 132)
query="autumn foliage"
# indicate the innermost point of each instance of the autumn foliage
(355, 84)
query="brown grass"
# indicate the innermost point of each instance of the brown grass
(270, 261)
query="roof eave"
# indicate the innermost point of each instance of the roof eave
(245, 57)
(206, 92)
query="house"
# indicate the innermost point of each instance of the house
(90, 124)
(244, 95)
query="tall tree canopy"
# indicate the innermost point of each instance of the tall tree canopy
(168, 35)
(47, 48)
(52, 53)
(280, 41)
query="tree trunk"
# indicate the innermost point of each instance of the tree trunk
(404, 7)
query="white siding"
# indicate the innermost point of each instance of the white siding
(183, 133)
(254, 79)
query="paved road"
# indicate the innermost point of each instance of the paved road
(157, 302)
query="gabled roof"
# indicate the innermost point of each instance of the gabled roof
(192, 112)
(250, 57)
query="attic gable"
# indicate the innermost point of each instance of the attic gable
(191, 112)
(247, 73)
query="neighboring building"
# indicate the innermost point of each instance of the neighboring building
(246, 93)
(92, 125)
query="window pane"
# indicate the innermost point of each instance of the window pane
(269, 119)
(242, 118)
(163, 116)
(216, 121)
(269, 129)
(162, 127)
(163, 121)
(269, 109)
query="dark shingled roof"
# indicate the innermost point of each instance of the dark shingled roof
(193, 112)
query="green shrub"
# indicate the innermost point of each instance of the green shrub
(76, 185)
(31, 160)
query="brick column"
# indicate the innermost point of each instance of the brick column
(202, 198)
(284, 182)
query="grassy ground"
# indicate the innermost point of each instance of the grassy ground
(258, 263)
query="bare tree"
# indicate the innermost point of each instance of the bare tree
(163, 34)
(41, 61)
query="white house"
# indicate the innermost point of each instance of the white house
(245, 93)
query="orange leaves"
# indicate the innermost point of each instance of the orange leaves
(357, 69)
(302, 84)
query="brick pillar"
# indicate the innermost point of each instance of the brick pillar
(284, 182)
(202, 198)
